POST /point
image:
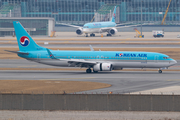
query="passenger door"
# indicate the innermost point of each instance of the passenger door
(156, 58)
(38, 56)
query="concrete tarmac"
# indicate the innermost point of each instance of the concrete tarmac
(121, 81)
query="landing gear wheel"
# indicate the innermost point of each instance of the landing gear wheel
(86, 35)
(88, 71)
(108, 34)
(92, 35)
(160, 71)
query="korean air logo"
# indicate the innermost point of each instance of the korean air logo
(24, 41)
(114, 15)
(121, 54)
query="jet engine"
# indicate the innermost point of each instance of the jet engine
(102, 67)
(113, 31)
(79, 31)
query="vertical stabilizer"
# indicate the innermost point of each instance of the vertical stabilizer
(114, 15)
(25, 42)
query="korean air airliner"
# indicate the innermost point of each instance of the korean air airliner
(99, 27)
(92, 60)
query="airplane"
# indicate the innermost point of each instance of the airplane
(99, 27)
(96, 60)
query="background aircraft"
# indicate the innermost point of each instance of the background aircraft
(99, 27)
(98, 60)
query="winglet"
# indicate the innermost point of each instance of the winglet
(50, 54)
(91, 48)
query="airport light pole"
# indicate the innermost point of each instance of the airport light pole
(141, 18)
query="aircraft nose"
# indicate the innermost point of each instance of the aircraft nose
(174, 62)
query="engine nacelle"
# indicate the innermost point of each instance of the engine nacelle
(79, 31)
(113, 31)
(102, 67)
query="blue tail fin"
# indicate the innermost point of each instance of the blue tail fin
(114, 15)
(25, 42)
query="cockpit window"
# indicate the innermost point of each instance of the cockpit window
(85, 27)
(166, 57)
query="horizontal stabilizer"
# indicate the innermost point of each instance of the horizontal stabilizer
(17, 52)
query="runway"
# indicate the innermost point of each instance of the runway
(121, 81)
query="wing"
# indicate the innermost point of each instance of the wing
(135, 25)
(17, 52)
(105, 29)
(125, 23)
(128, 26)
(108, 28)
(69, 25)
(74, 62)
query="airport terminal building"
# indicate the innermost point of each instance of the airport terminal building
(82, 11)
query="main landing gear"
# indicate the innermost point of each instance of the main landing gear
(86, 35)
(89, 71)
(92, 35)
(160, 71)
(109, 35)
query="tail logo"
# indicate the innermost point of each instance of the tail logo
(24, 41)
(114, 15)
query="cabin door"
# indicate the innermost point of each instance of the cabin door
(38, 56)
(156, 58)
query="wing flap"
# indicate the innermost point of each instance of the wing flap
(72, 61)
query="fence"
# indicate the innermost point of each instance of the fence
(90, 102)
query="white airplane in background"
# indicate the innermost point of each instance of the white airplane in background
(99, 27)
